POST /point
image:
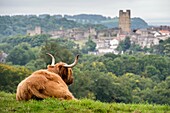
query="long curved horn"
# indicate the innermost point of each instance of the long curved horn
(73, 64)
(53, 59)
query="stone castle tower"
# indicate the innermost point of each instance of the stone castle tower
(125, 21)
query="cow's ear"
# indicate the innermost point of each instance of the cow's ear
(50, 66)
(60, 66)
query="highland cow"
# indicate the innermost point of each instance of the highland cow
(50, 82)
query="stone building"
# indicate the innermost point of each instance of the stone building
(125, 21)
(36, 31)
(144, 38)
(3, 57)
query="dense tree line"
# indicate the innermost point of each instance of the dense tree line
(10, 76)
(19, 24)
(92, 80)
(163, 48)
(8, 43)
(127, 78)
(119, 79)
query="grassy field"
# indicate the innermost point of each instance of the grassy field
(8, 104)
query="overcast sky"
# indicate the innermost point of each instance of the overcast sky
(150, 10)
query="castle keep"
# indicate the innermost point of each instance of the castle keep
(125, 21)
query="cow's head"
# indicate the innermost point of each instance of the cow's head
(63, 69)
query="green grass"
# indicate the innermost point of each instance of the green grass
(8, 104)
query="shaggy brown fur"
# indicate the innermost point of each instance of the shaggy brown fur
(65, 73)
(50, 82)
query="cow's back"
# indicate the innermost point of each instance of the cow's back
(42, 84)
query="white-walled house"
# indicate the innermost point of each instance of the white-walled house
(165, 32)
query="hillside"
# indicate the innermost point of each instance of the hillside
(8, 104)
(106, 21)
(19, 24)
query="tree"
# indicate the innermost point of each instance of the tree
(5, 47)
(21, 54)
(36, 64)
(161, 92)
(66, 43)
(61, 53)
(124, 45)
(127, 43)
(118, 67)
(152, 72)
(111, 55)
(89, 46)
(82, 85)
(163, 48)
(10, 77)
(167, 49)
(135, 47)
(104, 88)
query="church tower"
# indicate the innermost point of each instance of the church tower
(125, 21)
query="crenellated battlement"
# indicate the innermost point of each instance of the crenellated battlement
(125, 21)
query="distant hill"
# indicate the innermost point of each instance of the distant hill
(86, 18)
(106, 21)
(19, 24)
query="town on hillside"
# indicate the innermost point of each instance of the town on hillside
(107, 40)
